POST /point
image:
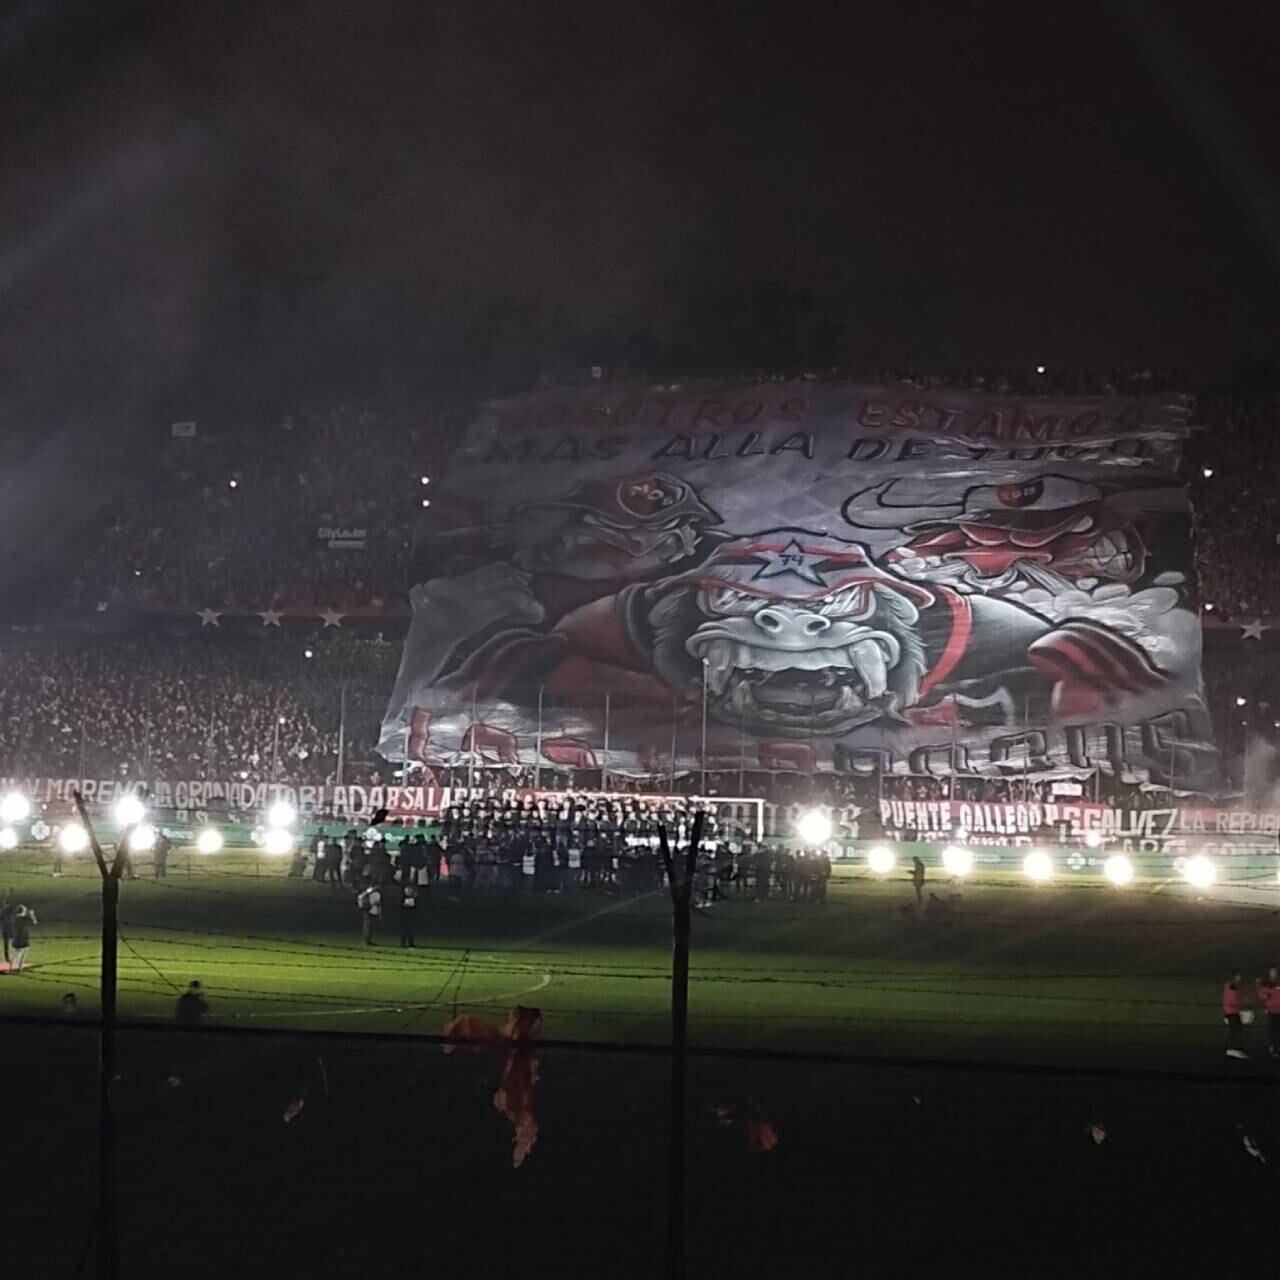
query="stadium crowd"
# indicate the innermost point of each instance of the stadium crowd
(155, 706)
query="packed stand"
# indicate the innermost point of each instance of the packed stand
(156, 706)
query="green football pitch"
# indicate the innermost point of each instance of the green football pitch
(925, 1081)
(1057, 974)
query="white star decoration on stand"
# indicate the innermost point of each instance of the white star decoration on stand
(332, 618)
(1253, 630)
(208, 617)
(792, 560)
(270, 617)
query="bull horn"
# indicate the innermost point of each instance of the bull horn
(884, 516)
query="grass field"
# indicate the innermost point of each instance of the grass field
(1051, 974)
(398, 1164)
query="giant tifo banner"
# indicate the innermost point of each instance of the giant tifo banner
(809, 575)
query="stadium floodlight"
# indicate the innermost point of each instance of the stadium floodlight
(15, 807)
(813, 827)
(881, 860)
(308, 653)
(277, 840)
(8, 838)
(1199, 872)
(1118, 869)
(1207, 472)
(142, 838)
(73, 838)
(1038, 866)
(209, 840)
(426, 480)
(426, 502)
(233, 483)
(1039, 368)
(957, 860)
(1093, 839)
(1241, 701)
(129, 811)
(281, 814)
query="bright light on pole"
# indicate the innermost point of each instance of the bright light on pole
(814, 827)
(957, 860)
(15, 807)
(881, 860)
(129, 811)
(209, 841)
(8, 838)
(281, 814)
(1118, 869)
(1038, 866)
(142, 839)
(73, 838)
(277, 840)
(1199, 872)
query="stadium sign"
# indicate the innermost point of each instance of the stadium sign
(338, 538)
(802, 575)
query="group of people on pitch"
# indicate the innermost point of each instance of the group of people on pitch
(1235, 1016)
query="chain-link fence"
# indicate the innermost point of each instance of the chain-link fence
(318, 1154)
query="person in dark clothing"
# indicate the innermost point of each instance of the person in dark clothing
(821, 876)
(332, 861)
(6, 924)
(160, 856)
(192, 1006)
(23, 919)
(408, 913)
(763, 872)
(435, 852)
(917, 879)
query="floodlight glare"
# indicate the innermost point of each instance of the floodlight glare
(1199, 872)
(209, 841)
(8, 838)
(1038, 866)
(277, 840)
(957, 860)
(814, 827)
(881, 860)
(73, 838)
(1118, 869)
(15, 807)
(281, 814)
(142, 838)
(129, 811)
(1093, 839)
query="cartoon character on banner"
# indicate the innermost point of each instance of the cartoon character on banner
(794, 633)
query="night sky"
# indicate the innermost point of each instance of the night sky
(217, 205)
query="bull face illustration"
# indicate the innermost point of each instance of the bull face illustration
(793, 632)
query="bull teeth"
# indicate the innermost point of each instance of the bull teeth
(868, 657)
(719, 662)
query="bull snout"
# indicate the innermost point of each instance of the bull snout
(788, 628)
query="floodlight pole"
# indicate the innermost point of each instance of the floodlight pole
(680, 876)
(105, 1224)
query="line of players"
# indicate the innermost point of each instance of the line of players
(573, 843)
